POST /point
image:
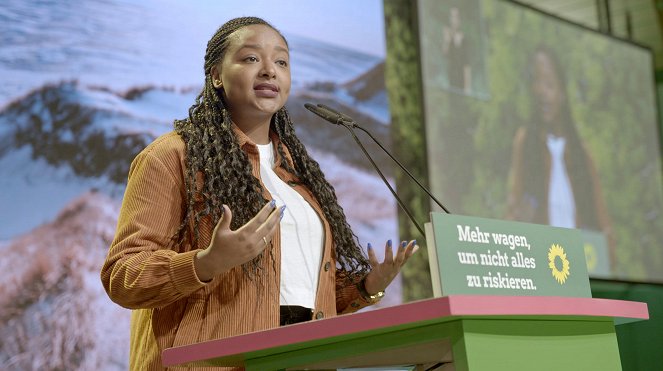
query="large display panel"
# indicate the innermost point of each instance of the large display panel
(535, 119)
(86, 85)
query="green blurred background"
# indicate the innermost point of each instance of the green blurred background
(468, 136)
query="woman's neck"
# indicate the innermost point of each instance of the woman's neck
(256, 130)
(554, 127)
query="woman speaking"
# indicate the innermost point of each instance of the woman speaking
(227, 225)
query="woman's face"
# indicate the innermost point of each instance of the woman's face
(254, 73)
(454, 18)
(547, 88)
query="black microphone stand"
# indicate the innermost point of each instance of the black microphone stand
(346, 121)
(355, 125)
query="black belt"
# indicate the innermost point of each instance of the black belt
(294, 314)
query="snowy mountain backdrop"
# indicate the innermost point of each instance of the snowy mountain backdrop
(85, 88)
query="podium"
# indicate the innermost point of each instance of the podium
(458, 332)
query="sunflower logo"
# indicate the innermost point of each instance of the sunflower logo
(591, 256)
(556, 258)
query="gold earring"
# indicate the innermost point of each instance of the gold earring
(218, 82)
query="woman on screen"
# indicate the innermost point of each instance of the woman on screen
(228, 226)
(553, 179)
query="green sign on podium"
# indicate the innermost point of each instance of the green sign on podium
(479, 256)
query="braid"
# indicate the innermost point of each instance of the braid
(218, 171)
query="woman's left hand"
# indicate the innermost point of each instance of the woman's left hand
(383, 273)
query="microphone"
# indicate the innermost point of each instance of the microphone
(330, 115)
(339, 119)
(349, 123)
(355, 125)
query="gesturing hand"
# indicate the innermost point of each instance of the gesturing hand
(382, 274)
(229, 248)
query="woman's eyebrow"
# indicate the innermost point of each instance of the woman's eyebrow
(259, 47)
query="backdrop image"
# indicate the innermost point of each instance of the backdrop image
(459, 40)
(86, 86)
(568, 135)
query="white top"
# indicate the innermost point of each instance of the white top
(302, 236)
(561, 204)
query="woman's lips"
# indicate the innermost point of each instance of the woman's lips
(266, 90)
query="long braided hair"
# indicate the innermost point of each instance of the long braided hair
(534, 148)
(212, 150)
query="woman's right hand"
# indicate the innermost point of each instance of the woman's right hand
(229, 248)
